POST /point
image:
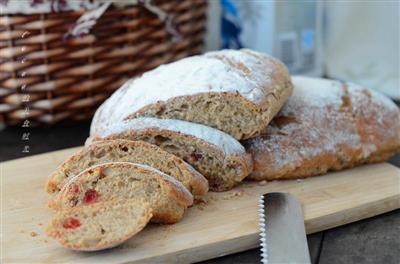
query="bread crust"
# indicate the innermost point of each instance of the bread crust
(325, 126)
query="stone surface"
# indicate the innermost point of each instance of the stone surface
(374, 240)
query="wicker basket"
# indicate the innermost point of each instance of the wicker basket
(66, 80)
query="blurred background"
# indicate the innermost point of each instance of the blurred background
(349, 40)
(60, 59)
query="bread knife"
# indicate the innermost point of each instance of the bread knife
(282, 233)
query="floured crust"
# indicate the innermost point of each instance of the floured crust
(326, 125)
(234, 164)
(99, 152)
(258, 83)
(220, 140)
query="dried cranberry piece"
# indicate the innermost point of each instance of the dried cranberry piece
(71, 223)
(91, 196)
(196, 156)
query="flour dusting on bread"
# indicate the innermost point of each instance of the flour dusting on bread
(326, 125)
(221, 140)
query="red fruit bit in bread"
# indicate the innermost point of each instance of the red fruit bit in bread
(74, 189)
(196, 156)
(71, 223)
(91, 196)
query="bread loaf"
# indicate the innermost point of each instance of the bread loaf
(128, 151)
(326, 125)
(235, 91)
(99, 226)
(216, 155)
(167, 197)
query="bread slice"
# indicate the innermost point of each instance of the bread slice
(99, 226)
(326, 125)
(215, 154)
(128, 151)
(168, 198)
(235, 91)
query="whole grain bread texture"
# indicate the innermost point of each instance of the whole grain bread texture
(127, 181)
(325, 126)
(235, 91)
(128, 151)
(100, 225)
(215, 154)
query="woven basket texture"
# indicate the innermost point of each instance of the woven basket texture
(47, 79)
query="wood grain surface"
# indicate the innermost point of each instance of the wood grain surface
(226, 223)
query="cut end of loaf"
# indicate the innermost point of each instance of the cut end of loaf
(227, 112)
(211, 152)
(99, 226)
(128, 151)
(127, 181)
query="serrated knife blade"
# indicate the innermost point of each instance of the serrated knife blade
(282, 233)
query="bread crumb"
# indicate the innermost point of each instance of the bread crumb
(40, 224)
(262, 183)
(233, 194)
(33, 234)
(200, 201)
(45, 241)
(201, 204)
(167, 228)
(213, 198)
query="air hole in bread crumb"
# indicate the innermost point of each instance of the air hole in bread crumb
(100, 153)
(196, 156)
(160, 139)
(160, 112)
(73, 201)
(102, 175)
(133, 179)
(124, 149)
(170, 148)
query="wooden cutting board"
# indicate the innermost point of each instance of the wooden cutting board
(225, 224)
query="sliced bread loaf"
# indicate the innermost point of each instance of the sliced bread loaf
(215, 154)
(128, 151)
(99, 226)
(167, 197)
(235, 91)
(326, 125)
